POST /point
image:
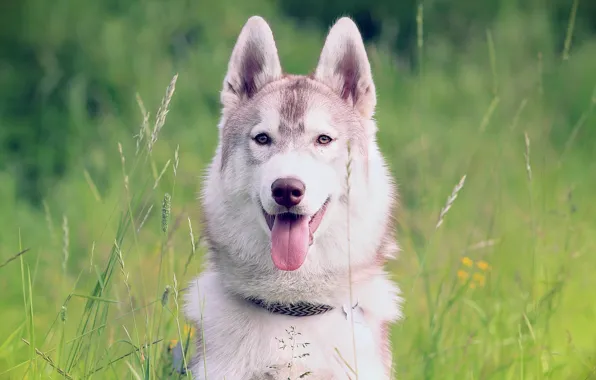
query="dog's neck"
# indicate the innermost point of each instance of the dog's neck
(285, 288)
(316, 285)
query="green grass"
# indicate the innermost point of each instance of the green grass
(96, 294)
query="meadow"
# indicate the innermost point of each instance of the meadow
(492, 144)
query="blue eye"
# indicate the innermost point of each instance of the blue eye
(262, 139)
(324, 139)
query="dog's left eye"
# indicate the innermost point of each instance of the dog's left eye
(262, 139)
(324, 139)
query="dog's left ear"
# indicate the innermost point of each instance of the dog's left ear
(344, 66)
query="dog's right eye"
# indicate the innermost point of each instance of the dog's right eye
(262, 139)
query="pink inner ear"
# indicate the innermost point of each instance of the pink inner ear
(344, 66)
(254, 61)
(349, 73)
(253, 64)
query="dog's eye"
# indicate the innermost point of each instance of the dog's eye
(324, 139)
(262, 139)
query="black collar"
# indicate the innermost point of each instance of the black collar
(299, 309)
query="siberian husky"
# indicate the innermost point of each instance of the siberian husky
(298, 221)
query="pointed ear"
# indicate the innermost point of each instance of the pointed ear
(344, 67)
(253, 64)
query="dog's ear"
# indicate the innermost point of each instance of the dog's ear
(253, 64)
(344, 66)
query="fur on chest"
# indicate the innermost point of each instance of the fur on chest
(241, 341)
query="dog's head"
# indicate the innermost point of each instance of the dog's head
(297, 164)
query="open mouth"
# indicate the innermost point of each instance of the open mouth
(291, 235)
(313, 222)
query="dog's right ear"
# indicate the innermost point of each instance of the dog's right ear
(253, 64)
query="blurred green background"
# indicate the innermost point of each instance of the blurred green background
(502, 91)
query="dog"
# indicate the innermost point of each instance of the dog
(298, 219)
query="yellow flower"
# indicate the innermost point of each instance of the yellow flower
(173, 343)
(188, 328)
(462, 275)
(467, 261)
(479, 279)
(482, 265)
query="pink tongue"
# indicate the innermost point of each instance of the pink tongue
(289, 242)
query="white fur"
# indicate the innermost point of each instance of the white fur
(240, 341)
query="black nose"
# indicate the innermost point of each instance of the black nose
(287, 192)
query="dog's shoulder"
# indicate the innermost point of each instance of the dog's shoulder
(379, 297)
